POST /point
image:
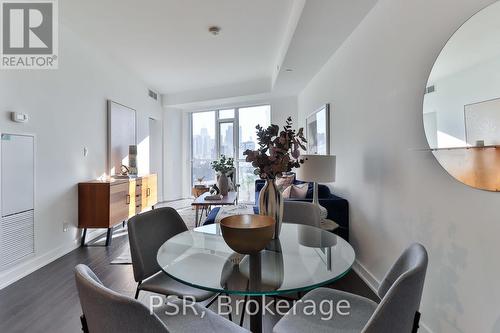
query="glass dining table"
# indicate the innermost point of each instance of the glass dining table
(302, 259)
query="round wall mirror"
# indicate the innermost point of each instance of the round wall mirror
(462, 102)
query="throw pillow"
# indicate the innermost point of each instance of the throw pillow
(295, 191)
(286, 192)
(285, 181)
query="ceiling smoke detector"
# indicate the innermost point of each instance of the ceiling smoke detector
(214, 30)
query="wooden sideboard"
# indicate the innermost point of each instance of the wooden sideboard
(104, 204)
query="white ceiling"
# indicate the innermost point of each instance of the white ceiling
(323, 27)
(166, 42)
(476, 42)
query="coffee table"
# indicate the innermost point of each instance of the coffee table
(202, 203)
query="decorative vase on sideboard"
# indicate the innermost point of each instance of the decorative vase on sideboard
(271, 204)
(223, 184)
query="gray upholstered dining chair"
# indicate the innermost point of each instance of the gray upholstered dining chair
(107, 311)
(400, 293)
(300, 212)
(147, 232)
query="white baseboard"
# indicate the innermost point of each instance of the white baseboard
(33, 263)
(424, 328)
(374, 283)
(366, 276)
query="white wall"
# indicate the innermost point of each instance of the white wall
(156, 152)
(282, 108)
(397, 195)
(68, 112)
(173, 153)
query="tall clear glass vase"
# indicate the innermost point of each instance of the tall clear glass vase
(271, 204)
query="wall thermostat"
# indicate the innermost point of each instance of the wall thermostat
(19, 117)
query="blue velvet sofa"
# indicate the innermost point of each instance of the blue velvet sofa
(337, 207)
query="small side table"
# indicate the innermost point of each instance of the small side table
(329, 225)
(200, 202)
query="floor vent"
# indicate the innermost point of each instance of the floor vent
(17, 237)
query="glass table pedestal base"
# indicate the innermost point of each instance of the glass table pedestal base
(256, 302)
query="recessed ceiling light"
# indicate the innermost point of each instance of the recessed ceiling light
(214, 30)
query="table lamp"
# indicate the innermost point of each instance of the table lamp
(317, 169)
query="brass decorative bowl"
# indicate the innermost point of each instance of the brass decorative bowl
(247, 234)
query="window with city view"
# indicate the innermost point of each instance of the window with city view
(229, 132)
(203, 146)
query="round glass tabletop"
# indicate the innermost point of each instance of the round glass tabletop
(302, 259)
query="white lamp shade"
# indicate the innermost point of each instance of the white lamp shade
(317, 168)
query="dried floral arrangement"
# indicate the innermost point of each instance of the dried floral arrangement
(279, 151)
(223, 165)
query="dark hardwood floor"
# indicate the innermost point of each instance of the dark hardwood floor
(47, 301)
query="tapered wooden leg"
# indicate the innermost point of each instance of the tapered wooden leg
(83, 237)
(196, 217)
(85, 328)
(109, 236)
(416, 322)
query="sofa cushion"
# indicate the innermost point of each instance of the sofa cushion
(285, 181)
(323, 190)
(298, 191)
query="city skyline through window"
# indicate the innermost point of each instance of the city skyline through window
(213, 135)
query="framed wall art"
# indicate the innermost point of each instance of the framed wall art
(318, 131)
